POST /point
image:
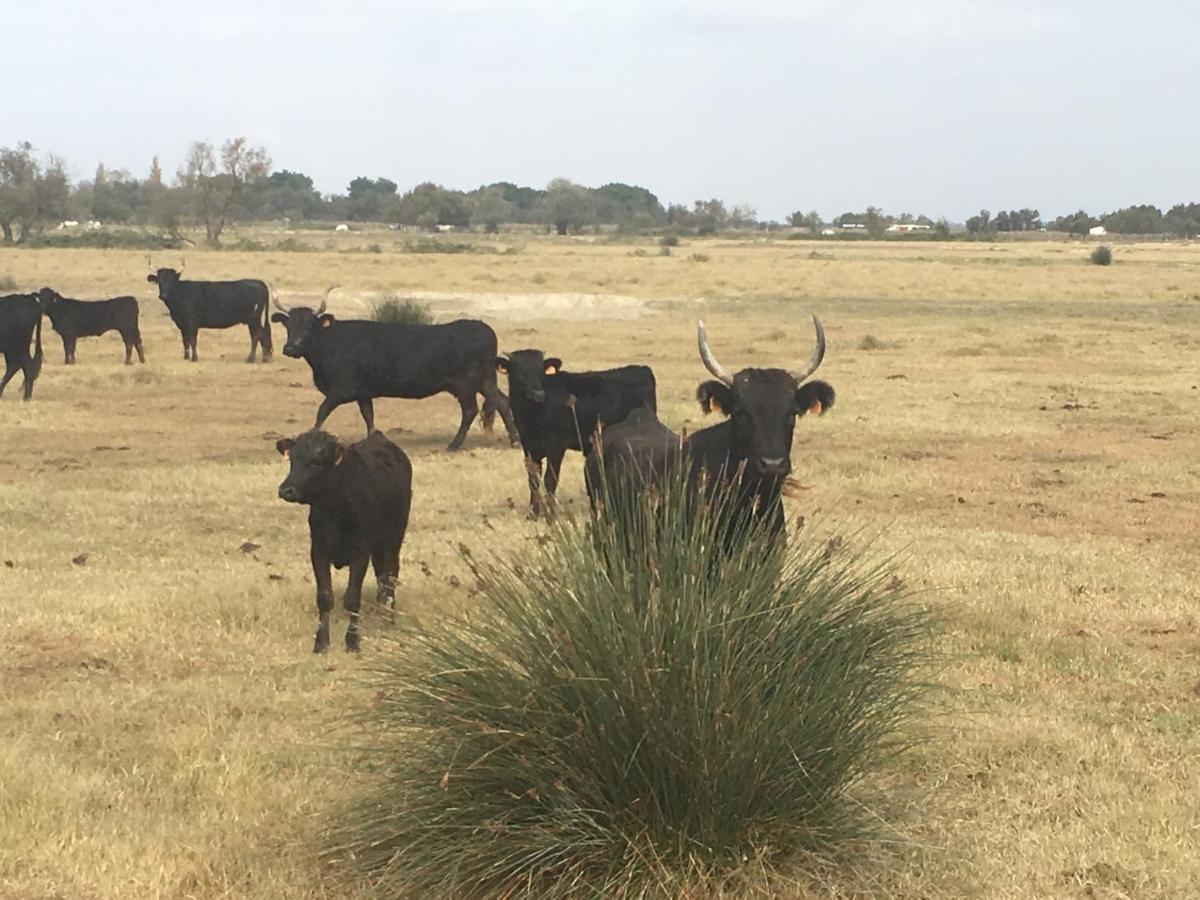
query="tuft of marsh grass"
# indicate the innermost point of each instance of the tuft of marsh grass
(637, 707)
(401, 310)
(1102, 256)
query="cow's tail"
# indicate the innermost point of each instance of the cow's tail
(268, 348)
(37, 345)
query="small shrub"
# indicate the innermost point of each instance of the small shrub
(631, 711)
(1102, 256)
(374, 248)
(7, 282)
(700, 257)
(870, 342)
(432, 245)
(669, 240)
(401, 311)
(291, 245)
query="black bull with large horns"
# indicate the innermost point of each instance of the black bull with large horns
(749, 454)
(215, 304)
(359, 360)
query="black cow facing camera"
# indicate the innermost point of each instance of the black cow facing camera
(359, 498)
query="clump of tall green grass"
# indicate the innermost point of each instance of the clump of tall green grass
(637, 707)
(401, 310)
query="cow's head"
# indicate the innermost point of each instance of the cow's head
(301, 324)
(48, 300)
(527, 371)
(312, 455)
(762, 405)
(166, 279)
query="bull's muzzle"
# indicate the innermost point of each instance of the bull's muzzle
(773, 466)
(289, 493)
(291, 350)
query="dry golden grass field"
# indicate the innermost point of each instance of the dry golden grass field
(1023, 423)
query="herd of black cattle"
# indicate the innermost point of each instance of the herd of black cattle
(359, 496)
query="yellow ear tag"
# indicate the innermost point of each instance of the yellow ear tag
(325, 323)
(815, 408)
(287, 454)
(551, 370)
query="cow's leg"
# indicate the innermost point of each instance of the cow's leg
(128, 348)
(137, 345)
(533, 470)
(327, 406)
(366, 406)
(553, 465)
(68, 350)
(192, 340)
(10, 369)
(324, 578)
(495, 399)
(253, 342)
(353, 598)
(186, 347)
(30, 370)
(385, 561)
(470, 409)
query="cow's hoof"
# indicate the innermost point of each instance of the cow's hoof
(352, 643)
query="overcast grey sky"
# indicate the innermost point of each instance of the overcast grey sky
(936, 106)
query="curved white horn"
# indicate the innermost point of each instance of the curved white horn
(706, 355)
(818, 354)
(325, 300)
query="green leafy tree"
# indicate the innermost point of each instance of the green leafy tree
(567, 207)
(215, 188)
(1183, 219)
(1078, 222)
(491, 210)
(1136, 220)
(371, 199)
(981, 223)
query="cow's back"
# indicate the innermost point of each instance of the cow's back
(382, 359)
(370, 507)
(89, 318)
(218, 304)
(19, 315)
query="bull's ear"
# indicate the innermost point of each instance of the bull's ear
(552, 366)
(284, 446)
(326, 319)
(152, 277)
(814, 398)
(715, 396)
(279, 317)
(502, 364)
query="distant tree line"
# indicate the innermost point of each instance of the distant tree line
(236, 182)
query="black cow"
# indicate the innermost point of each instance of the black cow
(216, 304)
(748, 454)
(73, 319)
(358, 498)
(556, 411)
(359, 361)
(20, 323)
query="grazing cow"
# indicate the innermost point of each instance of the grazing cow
(215, 304)
(73, 319)
(359, 361)
(20, 323)
(556, 411)
(749, 453)
(358, 498)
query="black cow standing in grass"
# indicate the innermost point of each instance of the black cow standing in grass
(749, 454)
(216, 304)
(73, 319)
(21, 323)
(360, 360)
(359, 499)
(557, 411)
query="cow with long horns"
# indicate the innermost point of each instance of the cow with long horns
(749, 454)
(215, 304)
(357, 360)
